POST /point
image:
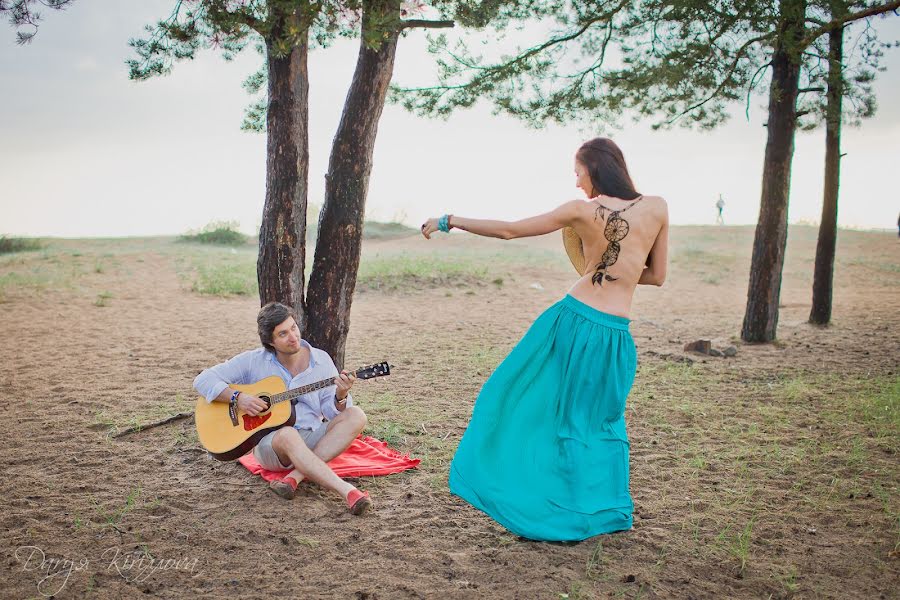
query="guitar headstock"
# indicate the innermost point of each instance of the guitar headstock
(377, 370)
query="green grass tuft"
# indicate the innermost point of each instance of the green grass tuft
(103, 299)
(881, 405)
(227, 280)
(740, 545)
(594, 565)
(388, 431)
(398, 272)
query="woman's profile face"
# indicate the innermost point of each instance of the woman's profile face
(583, 180)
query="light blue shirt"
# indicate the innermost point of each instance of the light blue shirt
(253, 365)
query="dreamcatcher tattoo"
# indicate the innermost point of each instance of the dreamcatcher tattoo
(615, 231)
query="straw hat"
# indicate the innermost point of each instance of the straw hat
(574, 248)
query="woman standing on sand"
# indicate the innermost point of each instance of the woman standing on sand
(546, 452)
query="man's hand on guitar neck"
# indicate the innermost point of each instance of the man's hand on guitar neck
(344, 382)
(250, 404)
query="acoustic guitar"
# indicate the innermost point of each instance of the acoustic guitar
(228, 432)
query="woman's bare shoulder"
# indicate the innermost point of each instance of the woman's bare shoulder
(658, 203)
(579, 209)
(578, 203)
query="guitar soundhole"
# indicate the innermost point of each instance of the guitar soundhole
(251, 423)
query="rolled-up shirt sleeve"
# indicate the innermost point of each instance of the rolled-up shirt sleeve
(210, 382)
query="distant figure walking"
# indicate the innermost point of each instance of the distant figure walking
(898, 226)
(720, 220)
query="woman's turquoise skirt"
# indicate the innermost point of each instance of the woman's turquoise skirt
(546, 453)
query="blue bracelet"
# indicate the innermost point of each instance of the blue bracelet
(444, 223)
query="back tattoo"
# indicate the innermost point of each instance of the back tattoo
(615, 231)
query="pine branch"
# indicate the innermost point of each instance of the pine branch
(422, 23)
(752, 86)
(147, 49)
(737, 57)
(840, 22)
(508, 67)
(221, 8)
(499, 68)
(22, 15)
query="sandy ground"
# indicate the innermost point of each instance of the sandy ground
(152, 515)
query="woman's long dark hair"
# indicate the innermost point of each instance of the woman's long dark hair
(606, 166)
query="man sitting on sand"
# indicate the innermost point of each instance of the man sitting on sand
(310, 443)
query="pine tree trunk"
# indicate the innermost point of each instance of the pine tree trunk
(820, 313)
(282, 247)
(339, 242)
(761, 316)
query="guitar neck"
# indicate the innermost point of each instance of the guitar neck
(305, 389)
(377, 370)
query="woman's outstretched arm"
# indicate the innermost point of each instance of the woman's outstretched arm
(560, 217)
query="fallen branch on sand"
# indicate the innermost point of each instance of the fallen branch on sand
(137, 428)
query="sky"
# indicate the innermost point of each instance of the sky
(85, 152)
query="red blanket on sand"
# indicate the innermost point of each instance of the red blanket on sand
(365, 456)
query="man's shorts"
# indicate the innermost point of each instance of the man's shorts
(267, 458)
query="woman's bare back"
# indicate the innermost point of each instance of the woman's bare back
(618, 236)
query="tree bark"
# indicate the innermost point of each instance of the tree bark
(820, 313)
(282, 244)
(339, 242)
(761, 315)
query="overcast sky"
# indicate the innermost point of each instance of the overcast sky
(86, 152)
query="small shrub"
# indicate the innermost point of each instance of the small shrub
(222, 233)
(14, 244)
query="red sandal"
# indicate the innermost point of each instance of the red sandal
(358, 502)
(286, 487)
